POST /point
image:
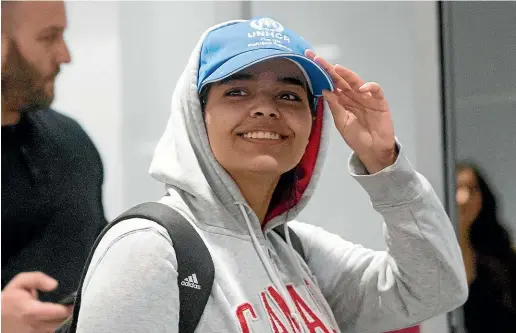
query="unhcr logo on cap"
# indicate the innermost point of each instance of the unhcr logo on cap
(269, 32)
(267, 24)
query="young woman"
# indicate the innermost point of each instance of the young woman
(489, 256)
(241, 155)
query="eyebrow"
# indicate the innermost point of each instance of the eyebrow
(249, 77)
(293, 81)
(237, 77)
(51, 30)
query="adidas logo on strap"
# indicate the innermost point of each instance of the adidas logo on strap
(191, 282)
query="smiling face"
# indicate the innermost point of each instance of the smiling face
(259, 119)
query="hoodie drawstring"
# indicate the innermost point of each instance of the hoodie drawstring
(270, 271)
(292, 253)
(300, 271)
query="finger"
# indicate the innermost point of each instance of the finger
(338, 80)
(323, 63)
(310, 54)
(336, 108)
(350, 98)
(33, 280)
(351, 77)
(364, 95)
(330, 96)
(351, 105)
(373, 88)
(43, 311)
(48, 326)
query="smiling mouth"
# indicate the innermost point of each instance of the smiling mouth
(262, 135)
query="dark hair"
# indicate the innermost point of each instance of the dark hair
(203, 96)
(286, 189)
(487, 235)
(493, 292)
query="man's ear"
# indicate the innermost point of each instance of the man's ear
(7, 28)
(6, 44)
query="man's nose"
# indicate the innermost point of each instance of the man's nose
(63, 53)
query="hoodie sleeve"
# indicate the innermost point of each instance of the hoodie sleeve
(420, 274)
(131, 284)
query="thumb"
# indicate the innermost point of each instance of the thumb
(33, 280)
(339, 113)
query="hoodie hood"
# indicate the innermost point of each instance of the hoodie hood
(184, 162)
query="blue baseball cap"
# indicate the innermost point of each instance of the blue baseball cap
(236, 46)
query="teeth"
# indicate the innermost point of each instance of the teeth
(262, 135)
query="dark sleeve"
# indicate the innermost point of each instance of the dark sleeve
(78, 213)
(86, 163)
(97, 202)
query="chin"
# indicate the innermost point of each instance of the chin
(266, 164)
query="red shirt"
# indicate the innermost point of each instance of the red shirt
(414, 329)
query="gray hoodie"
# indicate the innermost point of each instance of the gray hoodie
(261, 283)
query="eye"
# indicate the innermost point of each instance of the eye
(49, 37)
(289, 96)
(236, 92)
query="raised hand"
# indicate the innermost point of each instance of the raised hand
(361, 114)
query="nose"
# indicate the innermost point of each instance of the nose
(265, 111)
(63, 53)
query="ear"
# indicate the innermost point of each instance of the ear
(6, 44)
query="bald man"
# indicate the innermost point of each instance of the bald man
(51, 174)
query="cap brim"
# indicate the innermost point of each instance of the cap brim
(318, 79)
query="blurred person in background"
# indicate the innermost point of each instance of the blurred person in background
(489, 256)
(52, 174)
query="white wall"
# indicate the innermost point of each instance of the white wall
(156, 41)
(484, 70)
(89, 89)
(140, 48)
(126, 57)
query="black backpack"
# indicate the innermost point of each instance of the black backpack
(194, 263)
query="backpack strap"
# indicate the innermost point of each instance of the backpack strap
(195, 266)
(294, 239)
